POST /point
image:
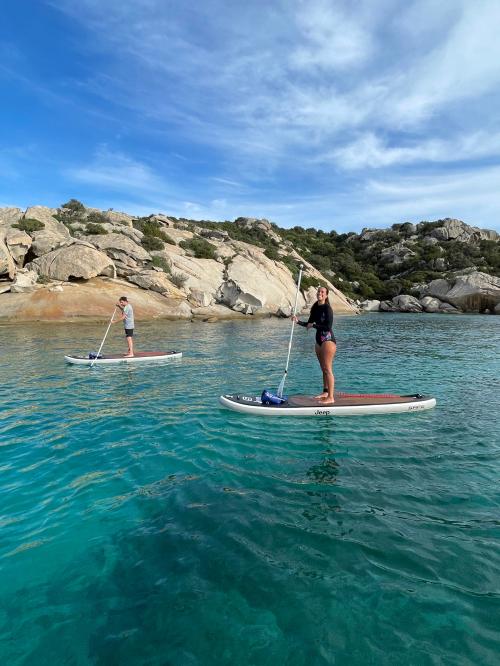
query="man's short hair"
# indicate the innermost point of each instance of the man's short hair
(123, 298)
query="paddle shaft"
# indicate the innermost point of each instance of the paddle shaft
(282, 384)
(104, 338)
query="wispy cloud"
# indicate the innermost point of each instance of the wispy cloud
(292, 108)
(117, 171)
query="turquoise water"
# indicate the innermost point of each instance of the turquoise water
(142, 524)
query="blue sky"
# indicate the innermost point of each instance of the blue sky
(326, 113)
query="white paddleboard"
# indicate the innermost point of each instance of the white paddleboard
(346, 404)
(139, 357)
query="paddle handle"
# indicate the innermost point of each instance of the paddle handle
(104, 338)
(282, 384)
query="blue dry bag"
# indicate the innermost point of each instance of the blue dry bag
(94, 355)
(269, 398)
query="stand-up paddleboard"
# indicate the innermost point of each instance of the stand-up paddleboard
(346, 404)
(139, 357)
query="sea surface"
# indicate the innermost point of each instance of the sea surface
(142, 524)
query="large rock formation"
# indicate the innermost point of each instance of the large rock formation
(470, 292)
(76, 261)
(53, 235)
(239, 280)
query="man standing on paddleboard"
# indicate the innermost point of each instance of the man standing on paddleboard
(127, 316)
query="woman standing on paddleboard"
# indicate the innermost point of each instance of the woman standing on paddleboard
(321, 318)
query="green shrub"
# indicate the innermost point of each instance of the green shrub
(29, 225)
(161, 262)
(74, 206)
(151, 243)
(94, 228)
(308, 281)
(152, 228)
(178, 279)
(95, 217)
(200, 247)
(272, 253)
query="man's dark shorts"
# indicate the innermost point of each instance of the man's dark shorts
(129, 332)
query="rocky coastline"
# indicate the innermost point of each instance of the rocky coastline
(70, 263)
(56, 265)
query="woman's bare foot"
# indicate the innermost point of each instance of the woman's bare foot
(321, 396)
(327, 400)
(128, 356)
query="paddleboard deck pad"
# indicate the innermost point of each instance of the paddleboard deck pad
(346, 404)
(139, 357)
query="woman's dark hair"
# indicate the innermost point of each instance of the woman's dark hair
(123, 298)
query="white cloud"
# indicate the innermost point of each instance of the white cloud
(370, 151)
(117, 171)
(331, 38)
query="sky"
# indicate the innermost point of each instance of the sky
(333, 114)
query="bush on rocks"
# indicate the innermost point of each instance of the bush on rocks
(95, 228)
(200, 248)
(29, 225)
(151, 243)
(161, 262)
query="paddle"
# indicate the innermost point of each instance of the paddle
(104, 338)
(282, 383)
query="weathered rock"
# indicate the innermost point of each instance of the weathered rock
(370, 305)
(7, 266)
(24, 281)
(496, 309)
(406, 303)
(430, 240)
(77, 261)
(119, 246)
(214, 234)
(388, 306)
(18, 242)
(53, 235)
(448, 309)
(203, 275)
(200, 299)
(10, 216)
(459, 231)
(164, 220)
(135, 234)
(430, 304)
(156, 281)
(262, 224)
(118, 218)
(4, 288)
(254, 282)
(396, 254)
(92, 300)
(472, 292)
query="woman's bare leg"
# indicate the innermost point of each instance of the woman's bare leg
(324, 394)
(327, 354)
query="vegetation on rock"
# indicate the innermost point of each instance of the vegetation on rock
(95, 228)
(29, 225)
(152, 243)
(152, 228)
(161, 262)
(200, 248)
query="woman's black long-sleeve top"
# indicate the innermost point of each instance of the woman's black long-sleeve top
(321, 317)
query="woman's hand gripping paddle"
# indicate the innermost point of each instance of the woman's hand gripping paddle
(282, 383)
